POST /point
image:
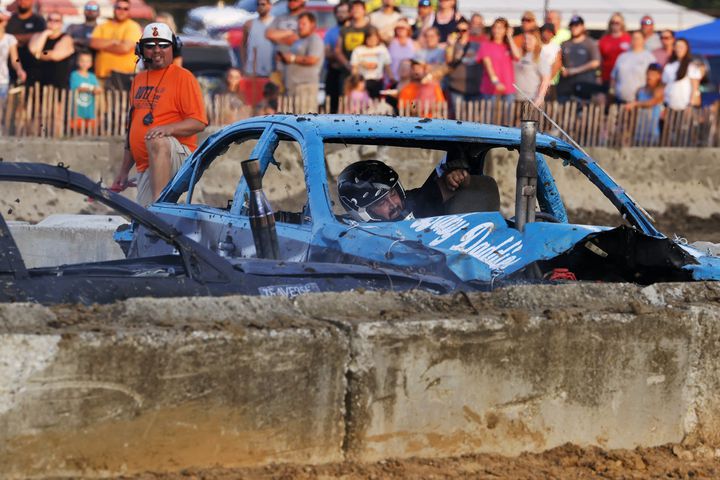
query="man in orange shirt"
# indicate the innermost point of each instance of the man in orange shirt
(166, 114)
(114, 42)
(421, 96)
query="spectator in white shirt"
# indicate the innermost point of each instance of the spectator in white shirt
(681, 78)
(372, 61)
(628, 74)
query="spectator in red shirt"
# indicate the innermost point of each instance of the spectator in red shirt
(611, 45)
(477, 28)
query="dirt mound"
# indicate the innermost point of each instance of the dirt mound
(566, 461)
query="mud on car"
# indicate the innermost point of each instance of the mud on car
(476, 242)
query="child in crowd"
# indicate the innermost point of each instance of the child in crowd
(356, 95)
(650, 99)
(372, 61)
(269, 103)
(84, 85)
(8, 49)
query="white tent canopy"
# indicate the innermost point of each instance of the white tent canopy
(596, 14)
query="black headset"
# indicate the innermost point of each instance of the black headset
(176, 47)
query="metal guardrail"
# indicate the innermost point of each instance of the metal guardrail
(50, 113)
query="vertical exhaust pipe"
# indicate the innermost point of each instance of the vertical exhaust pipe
(526, 176)
(262, 220)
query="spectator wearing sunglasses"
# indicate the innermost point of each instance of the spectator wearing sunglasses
(663, 54)
(652, 39)
(615, 42)
(528, 24)
(114, 42)
(465, 72)
(53, 49)
(23, 24)
(81, 32)
(166, 114)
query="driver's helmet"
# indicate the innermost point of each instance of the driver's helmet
(363, 184)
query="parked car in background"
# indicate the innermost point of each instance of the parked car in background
(208, 59)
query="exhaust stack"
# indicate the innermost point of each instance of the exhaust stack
(526, 176)
(262, 220)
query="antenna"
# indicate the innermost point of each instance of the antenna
(576, 145)
(549, 119)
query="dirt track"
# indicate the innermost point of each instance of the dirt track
(567, 461)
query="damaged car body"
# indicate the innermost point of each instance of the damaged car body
(479, 245)
(186, 269)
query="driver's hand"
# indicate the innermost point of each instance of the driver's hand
(455, 178)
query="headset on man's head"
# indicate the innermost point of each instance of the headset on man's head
(176, 46)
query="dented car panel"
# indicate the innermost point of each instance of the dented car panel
(481, 248)
(184, 268)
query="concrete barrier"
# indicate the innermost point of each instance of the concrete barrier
(68, 239)
(164, 385)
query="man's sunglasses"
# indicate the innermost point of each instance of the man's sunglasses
(92, 8)
(118, 7)
(527, 19)
(161, 45)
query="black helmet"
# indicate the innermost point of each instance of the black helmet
(364, 183)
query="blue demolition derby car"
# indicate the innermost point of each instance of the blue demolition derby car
(463, 235)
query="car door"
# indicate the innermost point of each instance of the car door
(205, 210)
(282, 164)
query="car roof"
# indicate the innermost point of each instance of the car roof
(372, 126)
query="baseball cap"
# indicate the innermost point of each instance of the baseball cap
(576, 20)
(157, 31)
(4, 13)
(655, 67)
(424, 3)
(646, 20)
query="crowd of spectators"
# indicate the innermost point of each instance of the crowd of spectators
(438, 55)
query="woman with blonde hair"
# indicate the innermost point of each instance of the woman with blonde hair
(532, 71)
(611, 45)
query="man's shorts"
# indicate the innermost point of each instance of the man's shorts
(178, 155)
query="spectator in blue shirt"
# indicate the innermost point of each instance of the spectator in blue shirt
(84, 85)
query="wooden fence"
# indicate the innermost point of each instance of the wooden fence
(49, 112)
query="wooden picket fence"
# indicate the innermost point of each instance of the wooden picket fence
(48, 112)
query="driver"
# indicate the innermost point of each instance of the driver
(371, 192)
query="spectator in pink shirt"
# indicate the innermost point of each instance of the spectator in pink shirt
(498, 55)
(663, 54)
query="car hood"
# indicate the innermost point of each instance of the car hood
(483, 247)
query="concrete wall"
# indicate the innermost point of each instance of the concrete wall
(167, 384)
(68, 239)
